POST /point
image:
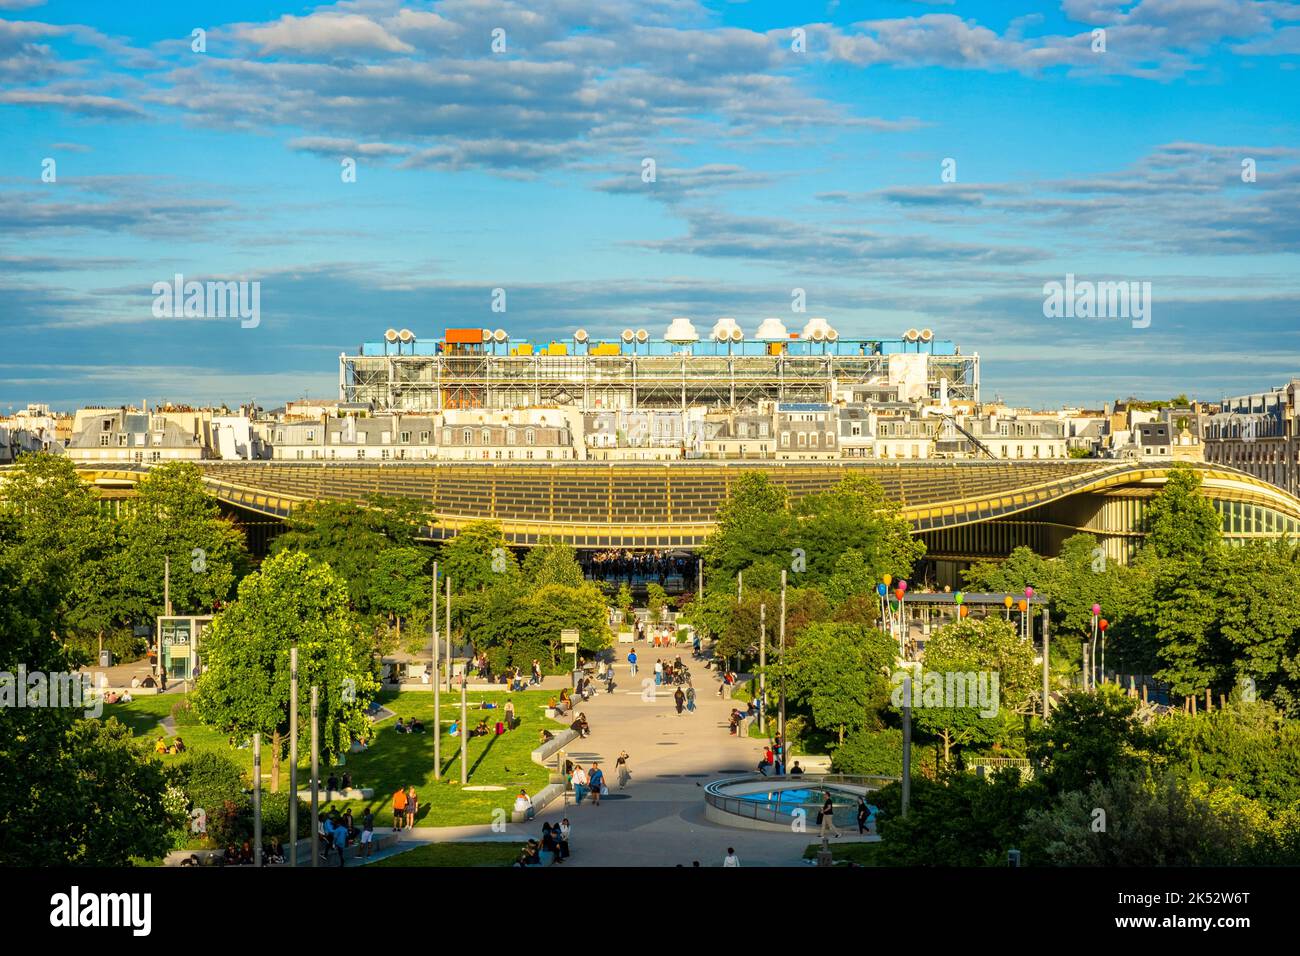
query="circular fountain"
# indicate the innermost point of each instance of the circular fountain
(758, 802)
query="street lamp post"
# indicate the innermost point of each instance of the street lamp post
(781, 723)
(436, 679)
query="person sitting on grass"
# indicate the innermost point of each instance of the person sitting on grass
(416, 726)
(529, 854)
(400, 727)
(454, 729)
(480, 731)
(524, 804)
(177, 747)
(160, 745)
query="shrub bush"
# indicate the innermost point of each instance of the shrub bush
(880, 752)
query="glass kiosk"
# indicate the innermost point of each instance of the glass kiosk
(178, 645)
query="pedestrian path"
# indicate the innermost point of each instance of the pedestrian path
(658, 820)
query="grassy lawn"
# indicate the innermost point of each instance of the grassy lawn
(455, 854)
(863, 854)
(397, 760)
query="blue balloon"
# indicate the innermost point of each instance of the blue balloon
(880, 589)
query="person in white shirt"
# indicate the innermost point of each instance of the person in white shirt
(579, 783)
(524, 804)
(732, 859)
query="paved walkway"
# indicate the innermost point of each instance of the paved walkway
(659, 819)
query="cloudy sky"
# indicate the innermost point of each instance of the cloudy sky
(794, 147)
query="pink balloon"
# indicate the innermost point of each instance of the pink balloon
(1029, 592)
(1096, 609)
(902, 585)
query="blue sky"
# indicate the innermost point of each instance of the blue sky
(775, 170)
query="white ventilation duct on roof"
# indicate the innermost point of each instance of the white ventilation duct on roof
(406, 335)
(500, 335)
(723, 328)
(628, 335)
(390, 335)
(580, 336)
(816, 330)
(737, 334)
(926, 335)
(642, 336)
(681, 330)
(771, 330)
(912, 335)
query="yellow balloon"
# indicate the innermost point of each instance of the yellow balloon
(1007, 600)
(887, 579)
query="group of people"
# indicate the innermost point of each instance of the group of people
(337, 832)
(406, 804)
(334, 785)
(588, 782)
(242, 854)
(555, 841)
(685, 699)
(413, 726)
(581, 726)
(737, 715)
(674, 672)
(177, 746)
(623, 565)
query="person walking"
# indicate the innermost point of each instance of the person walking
(367, 833)
(596, 779)
(659, 672)
(399, 809)
(826, 816)
(579, 783)
(690, 698)
(621, 771)
(340, 840)
(862, 816)
(631, 660)
(412, 807)
(510, 714)
(680, 698)
(731, 859)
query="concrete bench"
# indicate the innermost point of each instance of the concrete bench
(327, 796)
(541, 799)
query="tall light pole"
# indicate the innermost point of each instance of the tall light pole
(257, 799)
(293, 755)
(315, 776)
(785, 748)
(1046, 655)
(907, 740)
(762, 666)
(464, 735)
(436, 679)
(448, 635)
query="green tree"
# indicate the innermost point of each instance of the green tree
(855, 515)
(552, 562)
(841, 672)
(477, 557)
(349, 537)
(625, 602)
(656, 601)
(244, 687)
(1090, 736)
(72, 791)
(1181, 523)
(977, 653)
(400, 583)
(173, 516)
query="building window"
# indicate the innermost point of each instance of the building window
(467, 436)
(103, 441)
(404, 438)
(424, 438)
(530, 438)
(802, 439)
(830, 439)
(361, 453)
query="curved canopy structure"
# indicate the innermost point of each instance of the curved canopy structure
(963, 508)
